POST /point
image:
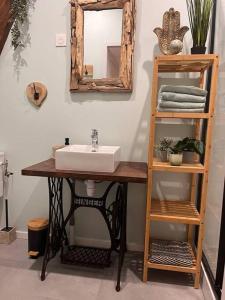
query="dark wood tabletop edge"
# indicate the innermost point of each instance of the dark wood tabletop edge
(47, 169)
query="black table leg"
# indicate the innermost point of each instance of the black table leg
(123, 242)
(56, 230)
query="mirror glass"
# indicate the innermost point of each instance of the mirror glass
(102, 43)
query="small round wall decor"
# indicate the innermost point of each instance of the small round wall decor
(36, 93)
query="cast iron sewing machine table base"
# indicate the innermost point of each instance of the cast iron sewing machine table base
(114, 214)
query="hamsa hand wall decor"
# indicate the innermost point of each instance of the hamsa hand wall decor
(171, 35)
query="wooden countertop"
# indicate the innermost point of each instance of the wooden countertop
(126, 172)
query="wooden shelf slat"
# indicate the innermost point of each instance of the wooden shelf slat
(185, 68)
(174, 211)
(175, 115)
(184, 168)
(188, 58)
(184, 63)
(172, 268)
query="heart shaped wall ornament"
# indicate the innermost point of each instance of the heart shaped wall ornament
(36, 93)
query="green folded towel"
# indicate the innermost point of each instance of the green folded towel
(181, 89)
(177, 97)
(171, 104)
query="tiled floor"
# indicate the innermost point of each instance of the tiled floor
(19, 280)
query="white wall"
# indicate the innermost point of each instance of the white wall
(27, 134)
(101, 29)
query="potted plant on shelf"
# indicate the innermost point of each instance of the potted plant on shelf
(192, 146)
(199, 12)
(163, 147)
(176, 155)
(187, 145)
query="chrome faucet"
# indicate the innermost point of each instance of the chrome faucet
(94, 140)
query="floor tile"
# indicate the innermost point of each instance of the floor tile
(20, 280)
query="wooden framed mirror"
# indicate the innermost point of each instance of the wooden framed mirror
(102, 45)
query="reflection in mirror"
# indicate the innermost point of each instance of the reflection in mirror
(102, 43)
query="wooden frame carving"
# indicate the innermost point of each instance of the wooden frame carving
(125, 81)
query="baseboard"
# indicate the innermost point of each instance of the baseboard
(206, 286)
(89, 242)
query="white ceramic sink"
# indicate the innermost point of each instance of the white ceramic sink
(81, 158)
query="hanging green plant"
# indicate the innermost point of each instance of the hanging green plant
(20, 9)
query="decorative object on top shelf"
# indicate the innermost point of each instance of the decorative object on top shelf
(176, 46)
(19, 9)
(36, 93)
(163, 147)
(171, 35)
(187, 145)
(199, 12)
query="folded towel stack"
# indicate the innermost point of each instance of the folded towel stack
(174, 98)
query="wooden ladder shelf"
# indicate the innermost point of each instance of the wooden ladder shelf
(183, 212)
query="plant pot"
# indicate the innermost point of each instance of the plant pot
(163, 155)
(176, 159)
(198, 50)
(189, 157)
